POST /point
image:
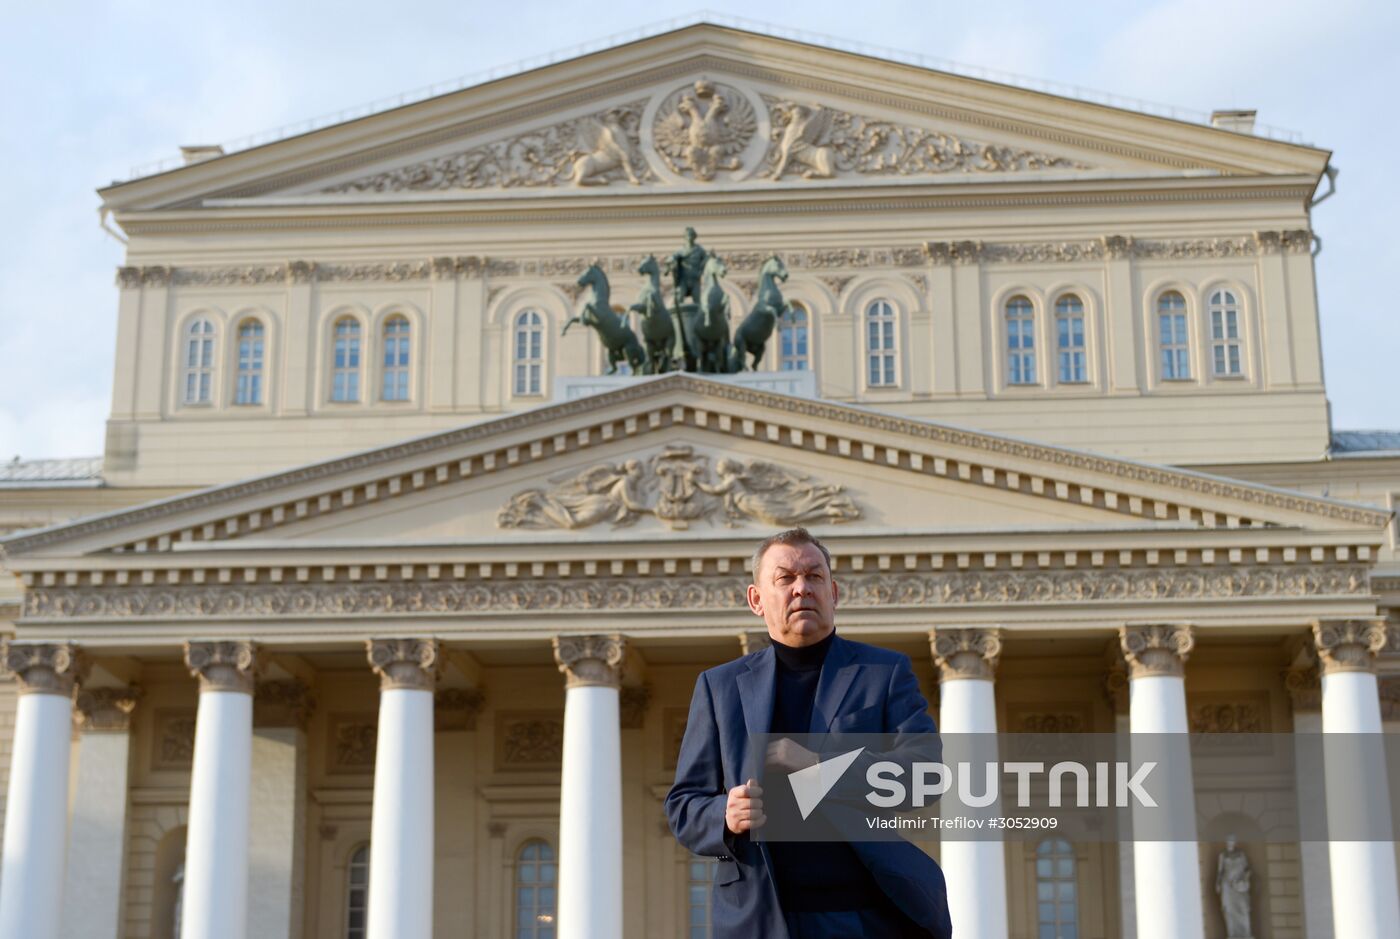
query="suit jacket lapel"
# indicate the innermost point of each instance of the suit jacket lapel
(838, 671)
(756, 692)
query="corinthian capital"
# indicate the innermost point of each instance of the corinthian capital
(965, 653)
(224, 665)
(1157, 649)
(45, 667)
(102, 710)
(590, 660)
(405, 663)
(1348, 645)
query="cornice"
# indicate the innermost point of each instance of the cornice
(662, 205)
(929, 253)
(604, 592)
(868, 79)
(845, 436)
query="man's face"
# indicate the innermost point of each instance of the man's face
(795, 595)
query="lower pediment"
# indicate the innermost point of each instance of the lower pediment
(681, 456)
(681, 482)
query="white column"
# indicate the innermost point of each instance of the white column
(276, 831)
(1365, 901)
(590, 797)
(975, 870)
(92, 890)
(1167, 874)
(36, 812)
(215, 902)
(401, 833)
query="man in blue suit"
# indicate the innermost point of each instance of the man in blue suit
(808, 681)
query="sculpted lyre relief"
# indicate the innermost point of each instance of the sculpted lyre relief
(678, 487)
(596, 149)
(817, 142)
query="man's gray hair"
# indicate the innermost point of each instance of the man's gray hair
(792, 537)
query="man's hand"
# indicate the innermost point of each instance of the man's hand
(787, 755)
(744, 810)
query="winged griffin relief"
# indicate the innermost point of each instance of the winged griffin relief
(818, 142)
(703, 129)
(592, 150)
(698, 131)
(678, 487)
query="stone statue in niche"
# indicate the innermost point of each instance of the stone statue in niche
(1232, 883)
(702, 130)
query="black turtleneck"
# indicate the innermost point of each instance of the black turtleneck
(810, 876)
(795, 691)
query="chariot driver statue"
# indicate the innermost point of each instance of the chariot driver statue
(685, 267)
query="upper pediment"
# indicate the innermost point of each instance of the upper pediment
(680, 456)
(719, 130)
(707, 108)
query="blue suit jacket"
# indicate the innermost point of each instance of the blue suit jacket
(862, 689)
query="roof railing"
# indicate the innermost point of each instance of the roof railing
(711, 17)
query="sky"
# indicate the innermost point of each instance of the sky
(95, 88)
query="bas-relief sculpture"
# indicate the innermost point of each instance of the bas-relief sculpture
(701, 132)
(1232, 883)
(677, 487)
(593, 150)
(818, 142)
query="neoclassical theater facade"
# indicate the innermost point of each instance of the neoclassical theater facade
(378, 557)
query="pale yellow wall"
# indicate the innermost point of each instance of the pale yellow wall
(951, 358)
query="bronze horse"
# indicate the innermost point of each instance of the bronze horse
(612, 328)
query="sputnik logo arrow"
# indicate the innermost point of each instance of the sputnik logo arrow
(810, 785)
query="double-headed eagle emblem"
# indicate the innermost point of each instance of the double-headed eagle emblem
(703, 129)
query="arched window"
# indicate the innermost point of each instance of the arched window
(1172, 338)
(199, 362)
(880, 347)
(345, 362)
(535, 877)
(1020, 341)
(794, 349)
(1225, 334)
(1069, 339)
(529, 352)
(701, 875)
(1056, 896)
(394, 386)
(357, 894)
(249, 387)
